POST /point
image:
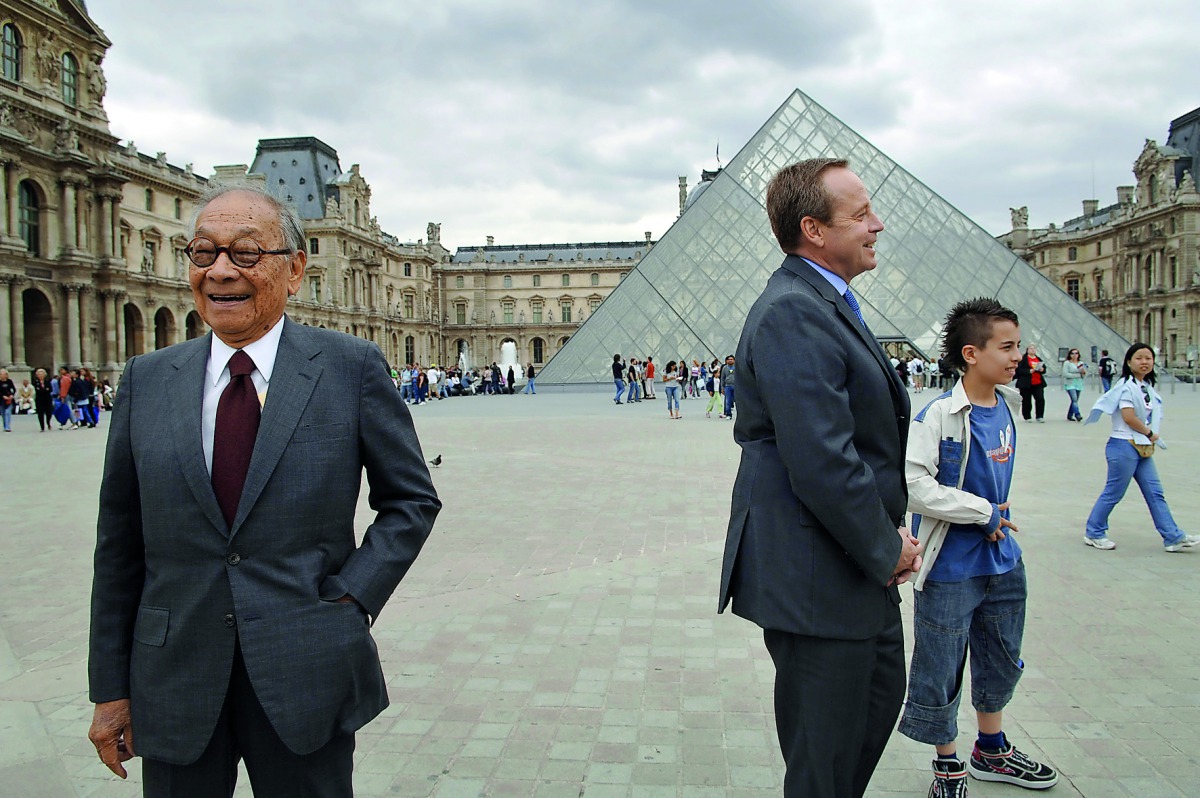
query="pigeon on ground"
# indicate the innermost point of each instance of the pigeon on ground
(436, 462)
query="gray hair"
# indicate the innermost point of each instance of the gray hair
(289, 219)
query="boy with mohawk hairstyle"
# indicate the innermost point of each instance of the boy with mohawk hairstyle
(969, 594)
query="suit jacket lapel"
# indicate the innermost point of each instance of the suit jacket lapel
(187, 408)
(800, 268)
(292, 382)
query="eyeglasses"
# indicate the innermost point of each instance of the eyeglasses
(245, 252)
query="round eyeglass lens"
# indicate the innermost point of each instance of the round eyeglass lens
(202, 252)
(244, 252)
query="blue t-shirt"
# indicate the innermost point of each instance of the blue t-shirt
(966, 552)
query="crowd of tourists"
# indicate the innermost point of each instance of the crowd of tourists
(681, 380)
(73, 399)
(421, 384)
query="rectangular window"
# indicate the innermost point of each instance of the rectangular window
(1099, 247)
(1072, 253)
(150, 199)
(595, 279)
(566, 310)
(1174, 273)
(593, 304)
(566, 281)
(508, 312)
(537, 312)
(408, 306)
(314, 246)
(178, 208)
(458, 281)
(460, 313)
(1073, 288)
(508, 281)
(537, 281)
(408, 270)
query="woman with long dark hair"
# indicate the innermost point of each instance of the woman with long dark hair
(1073, 373)
(1137, 410)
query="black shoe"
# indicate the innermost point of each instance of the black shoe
(1011, 767)
(949, 779)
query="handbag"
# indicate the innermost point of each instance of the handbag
(1144, 449)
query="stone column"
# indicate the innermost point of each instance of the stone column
(86, 356)
(81, 230)
(66, 217)
(118, 327)
(105, 225)
(5, 201)
(104, 330)
(72, 291)
(6, 323)
(16, 319)
(14, 204)
(114, 226)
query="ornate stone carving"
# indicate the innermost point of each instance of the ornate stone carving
(97, 85)
(66, 137)
(148, 258)
(1020, 217)
(433, 233)
(47, 60)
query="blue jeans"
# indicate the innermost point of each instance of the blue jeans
(1125, 463)
(1105, 384)
(1073, 410)
(635, 392)
(529, 386)
(985, 616)
(672, 398)
(620, 389)
(728, 389)
(7, 411)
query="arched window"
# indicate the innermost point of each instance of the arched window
(538, 350)
(28, 204)
(1153, 186)
(508, 281)
(356, 223)
(595, 279)
(70, 80)
(11, 54)
(566, 278)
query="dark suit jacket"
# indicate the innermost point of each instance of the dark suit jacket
(822, 421)
(174, 585)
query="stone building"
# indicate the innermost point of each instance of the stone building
(1134, 263)
(92, 235)
(532, 295)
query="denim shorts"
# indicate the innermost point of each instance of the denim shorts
(984, 615)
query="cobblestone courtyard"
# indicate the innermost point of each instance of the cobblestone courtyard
(558, 635)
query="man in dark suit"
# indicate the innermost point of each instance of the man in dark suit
(816, 542)
(231, 605)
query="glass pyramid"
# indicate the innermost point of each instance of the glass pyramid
(689, 296)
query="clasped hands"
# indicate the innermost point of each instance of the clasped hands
(910, 557)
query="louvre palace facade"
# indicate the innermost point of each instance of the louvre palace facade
(1134, 263)
(92, 233)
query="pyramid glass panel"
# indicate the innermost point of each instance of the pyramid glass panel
(690, 294)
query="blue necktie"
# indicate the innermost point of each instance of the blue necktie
(853, 303)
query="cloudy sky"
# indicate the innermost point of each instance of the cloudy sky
(566, 122)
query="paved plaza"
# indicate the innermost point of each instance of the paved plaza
(558, 635)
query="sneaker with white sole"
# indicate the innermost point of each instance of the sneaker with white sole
(949, 780)
(1187, 542)
(1011, 767)
(1104, 544)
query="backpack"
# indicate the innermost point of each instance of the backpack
(1106, 367)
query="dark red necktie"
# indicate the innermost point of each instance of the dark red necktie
(233, 442)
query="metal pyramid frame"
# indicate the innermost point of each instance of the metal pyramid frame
(690, 294)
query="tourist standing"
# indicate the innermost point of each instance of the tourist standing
(1137, 411)
(8, 399)
(1108, 369)
(43, 400)
(1031, 382)
(727, 386)
(618, 373)
(671, 389)
(650, 378)
(1073, 373)
(530, 374)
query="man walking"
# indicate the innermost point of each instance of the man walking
(816, 541)
(231, 606)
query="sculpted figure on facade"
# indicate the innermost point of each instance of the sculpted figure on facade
(433, 233)
(47, 59)
(148, 258)
(97, 85)
(66, 138)
(1020, 217)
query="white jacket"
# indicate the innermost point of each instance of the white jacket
(934, 487)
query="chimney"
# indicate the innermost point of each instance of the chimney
(491, 240)
(1090, 207)
(647, 236)
(1125, 195)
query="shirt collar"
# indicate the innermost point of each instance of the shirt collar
(262, 352)
(839, 284)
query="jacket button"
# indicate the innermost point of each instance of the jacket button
(229, 620)
(233, 559)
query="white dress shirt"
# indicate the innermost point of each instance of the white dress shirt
(262, 352)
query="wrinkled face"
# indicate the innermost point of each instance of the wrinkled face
(996, 363)
(1141, 363)
(1031, 350)
(846, 246)
(242, 304)
(40, 374)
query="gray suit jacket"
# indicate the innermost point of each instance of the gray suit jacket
(822, 421)
(174, 586)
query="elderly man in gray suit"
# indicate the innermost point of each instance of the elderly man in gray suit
(817, 542)
(231, 605)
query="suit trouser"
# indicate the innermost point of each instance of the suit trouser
(244, 732)
(836, 704)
